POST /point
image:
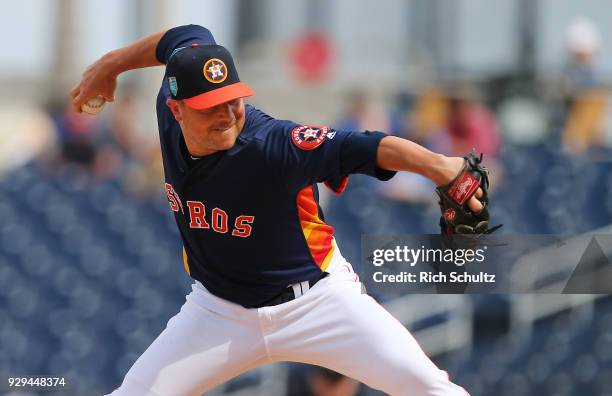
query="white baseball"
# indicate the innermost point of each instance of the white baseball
(93, 105)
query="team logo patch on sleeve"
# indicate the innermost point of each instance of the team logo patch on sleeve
(309, 137)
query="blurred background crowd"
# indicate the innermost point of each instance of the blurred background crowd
(90, 267)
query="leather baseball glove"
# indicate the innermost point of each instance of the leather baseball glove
(457, 218)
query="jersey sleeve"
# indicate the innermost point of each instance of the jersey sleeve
(182, 36)
(304, 155)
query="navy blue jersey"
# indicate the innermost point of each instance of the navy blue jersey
(249, 217)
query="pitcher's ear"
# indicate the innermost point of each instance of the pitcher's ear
(174, 107)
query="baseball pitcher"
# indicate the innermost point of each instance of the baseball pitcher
(269, 281)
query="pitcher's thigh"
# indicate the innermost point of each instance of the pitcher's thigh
(351, 333)
(391, 359)
(197, 351)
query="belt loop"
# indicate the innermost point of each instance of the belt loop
(297, 289)
(300, 288)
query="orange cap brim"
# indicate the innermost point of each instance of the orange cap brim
(219, 95)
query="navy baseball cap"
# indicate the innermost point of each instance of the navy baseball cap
(204, 76)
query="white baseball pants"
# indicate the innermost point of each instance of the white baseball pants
(332, 325)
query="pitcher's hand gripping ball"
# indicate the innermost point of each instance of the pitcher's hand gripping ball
(457, 218)
(94, 105)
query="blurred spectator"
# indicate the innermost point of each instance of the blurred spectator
(320, 381)
(586, 99)
(585, 120)
(324, 382)
(362, 115)
(428, 120)
(76, 134)
(399, 116)
(471, 124)
(583, 42)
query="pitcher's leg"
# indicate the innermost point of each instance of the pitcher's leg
(198, 350)
(351, 333)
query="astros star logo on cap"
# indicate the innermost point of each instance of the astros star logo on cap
(215, 70)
